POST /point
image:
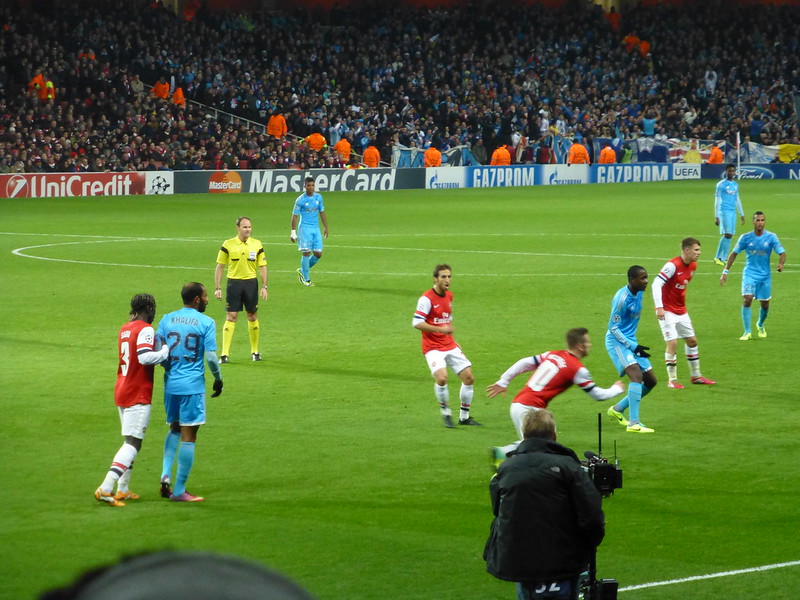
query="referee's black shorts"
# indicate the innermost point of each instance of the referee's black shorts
(242, 292)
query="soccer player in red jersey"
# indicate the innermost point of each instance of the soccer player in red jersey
(554, 372)
(133, 395)
(669, 293)
(434, 317)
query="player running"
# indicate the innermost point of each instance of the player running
(554, 372)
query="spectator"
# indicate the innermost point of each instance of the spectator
(715, 157)
(607, 155)
(372, 157)
(433, 158)
(501, 157)
(578, 155)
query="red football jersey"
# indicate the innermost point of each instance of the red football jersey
(134, 380)
(556, 372)
(675, 276)
(436, 310)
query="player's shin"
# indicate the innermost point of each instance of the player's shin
(227, 337)
(465, 395)
(254, 331)
(170, 449)
(634, 397)
(443, 397)
(185, 462)
(747, 316)
(693, 357)
(671, 361)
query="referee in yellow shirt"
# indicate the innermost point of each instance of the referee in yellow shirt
(243, 255)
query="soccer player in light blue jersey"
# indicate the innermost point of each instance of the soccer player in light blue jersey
(726, 204)
(309, 209)
(759, 244)
(629, 357)
(191, 337)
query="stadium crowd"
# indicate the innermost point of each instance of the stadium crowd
(76, 77)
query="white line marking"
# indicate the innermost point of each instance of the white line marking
(21, 252)
(642, 586)
(541, 234)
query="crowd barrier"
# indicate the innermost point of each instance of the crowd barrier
(51, 185)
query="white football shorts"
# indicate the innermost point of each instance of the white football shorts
(455, 359)
(518, 412)
(676, 327)
(134, 420)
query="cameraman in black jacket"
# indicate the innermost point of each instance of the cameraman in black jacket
(548, 516)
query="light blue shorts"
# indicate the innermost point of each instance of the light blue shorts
(760, 289)
(623, 357)
(309, 238)
(185, 410)
(727, 224)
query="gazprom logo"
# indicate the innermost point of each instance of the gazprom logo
(434, 184)
(750, 172)
(556, 180)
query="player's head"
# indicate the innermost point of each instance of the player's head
(730, 171)
(244, 227)
(637, 278)
(143, 307)
(195, 296)
(166, 574)
(690, 249)
(309, 185)
(578, 342)
(441, 277)
(759, 220)
(539, 424)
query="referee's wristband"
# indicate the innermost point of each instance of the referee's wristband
(724, 271)
(265, 286)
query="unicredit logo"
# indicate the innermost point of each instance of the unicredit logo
(17, 187)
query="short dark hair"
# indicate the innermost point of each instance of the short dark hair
(634, 271)
(240, 219)
(190, 291)
(758, 212)
(143, 305)
(441, 267)
(309, 179)
(730, 166)
(690, 241)
(575, 336)
(539, 424)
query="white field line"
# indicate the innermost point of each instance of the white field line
(642, 586)
(84, 239)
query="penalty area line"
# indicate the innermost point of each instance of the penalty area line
(642, 586)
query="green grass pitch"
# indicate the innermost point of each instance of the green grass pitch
(328, 461)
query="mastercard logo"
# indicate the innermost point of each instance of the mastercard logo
(225, 182)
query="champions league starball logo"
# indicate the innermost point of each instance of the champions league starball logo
(159, 185)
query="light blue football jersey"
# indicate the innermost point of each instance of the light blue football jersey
(189, 335)
(758, 249)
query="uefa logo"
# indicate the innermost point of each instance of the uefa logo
(17, 187)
